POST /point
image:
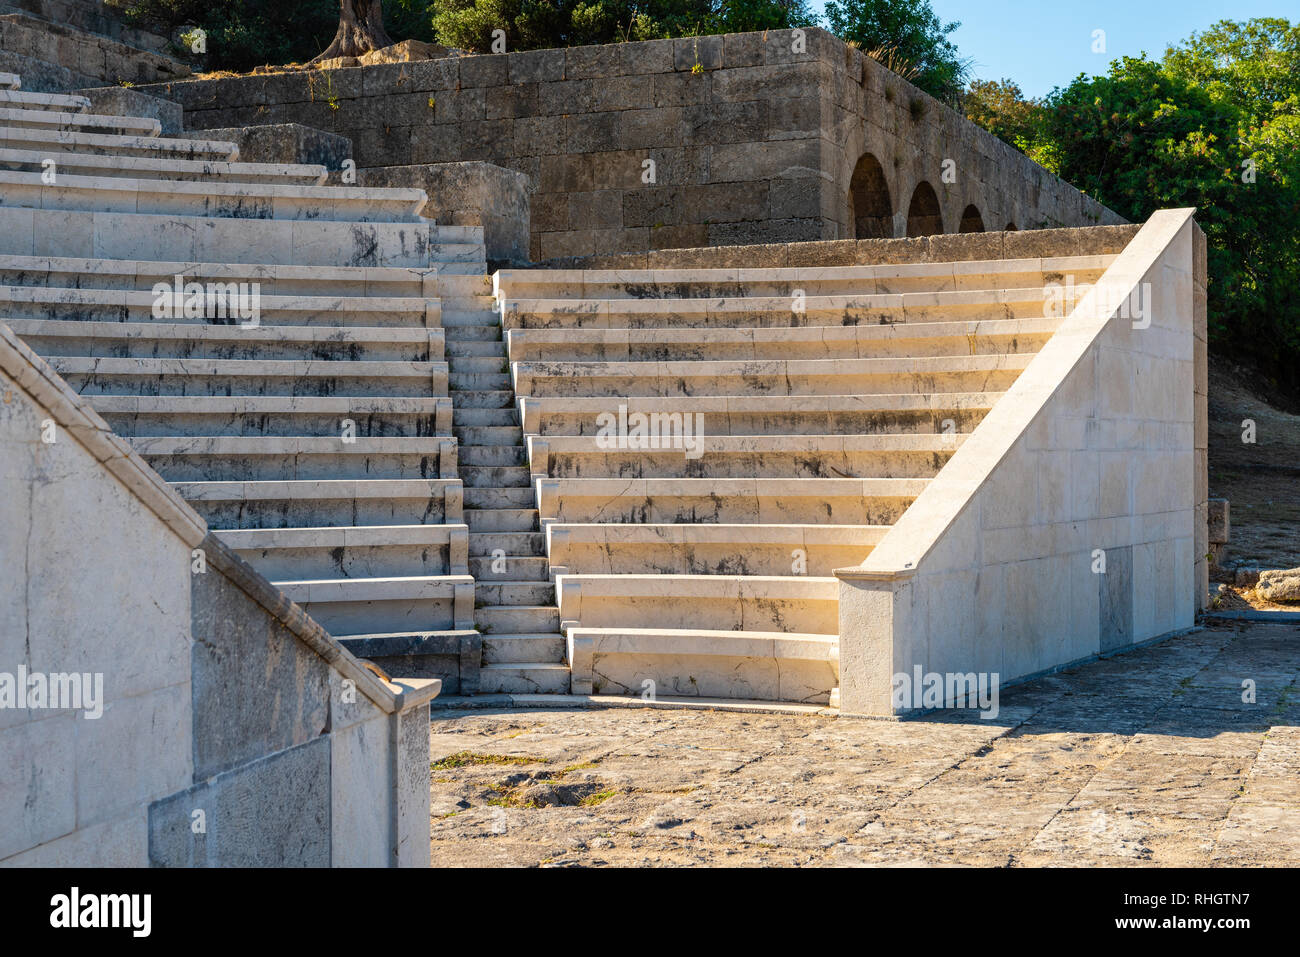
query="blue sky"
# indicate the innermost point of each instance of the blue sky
(1045, 43)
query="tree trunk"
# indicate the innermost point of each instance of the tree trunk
(361, 29)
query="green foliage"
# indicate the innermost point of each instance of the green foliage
(1001, 108)
(913, 38)
(540, 24)
(1192, 129)
(243, 34)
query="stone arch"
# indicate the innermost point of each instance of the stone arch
(870, 209)
(1011, 228)
(971, 220)
(923, 215)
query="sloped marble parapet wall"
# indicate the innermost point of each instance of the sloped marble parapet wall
(1070, 522)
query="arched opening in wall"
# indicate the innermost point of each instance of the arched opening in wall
(923, 216)
(971, 220)
(1011, 228)
(870, 209)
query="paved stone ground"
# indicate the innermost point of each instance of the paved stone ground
(1149, 758)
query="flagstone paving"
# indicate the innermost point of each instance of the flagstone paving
(1147, 758)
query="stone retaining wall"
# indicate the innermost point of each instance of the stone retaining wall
(722, 140)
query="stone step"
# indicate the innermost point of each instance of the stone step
(56, 142)
(411, 288)
(464, 349)
(106, 375)
(485, 399)
(785, 282)
(492, 456)
(763, 414)
(314, 503)
(524, 678)
(472, 288)
(483, 337)
(271, 458)
(463, 418)
(428, 652)
(216, 198)
(10, 81)
(462, 319)
(510, 593)
(242, 307)
(14, 99)
(372, 416)
(60, 119)
(167, 168)
(926, 374)
(470, 263)
(968, 337)
(501, 519)
(704, 663)
(479, 476)
(49, 337)
(744, 456)
(758, 311)
(522, 544)
(516, 619)
(713, 602)
(839, 501)
(512, 568)
(500, 498)
(367, 606)
(707, 548)
(489, 435)
(372, 551)
(480, 381)
(516, 649)
(468, 365)
(126, 235)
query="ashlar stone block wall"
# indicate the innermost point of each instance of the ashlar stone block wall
(775, 137)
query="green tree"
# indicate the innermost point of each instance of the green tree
(911, 36)
(242, 34)
(1002, 109)
(540, 24)
(1215, 125)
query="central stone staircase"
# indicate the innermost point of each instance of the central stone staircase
(523, 650)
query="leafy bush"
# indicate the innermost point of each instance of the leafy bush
(1215, 124)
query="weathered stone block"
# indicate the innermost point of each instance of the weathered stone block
(742, 49)
(272, 812)
(706, 52)
(601, 209)
(584, 62)
(256, 688)
(652, 56)
(1218, 522)
(645, 129)
(468, 194)
(537, 66)
(491, 70)
(286, 143)
(121, 101)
